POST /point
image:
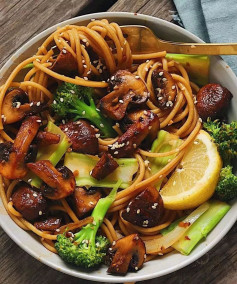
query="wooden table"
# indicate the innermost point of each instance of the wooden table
(20, 20)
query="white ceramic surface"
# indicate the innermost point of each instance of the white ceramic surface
(220, 72)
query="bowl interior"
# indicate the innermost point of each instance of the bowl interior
(219, 72)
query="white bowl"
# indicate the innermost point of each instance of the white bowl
(219, 72)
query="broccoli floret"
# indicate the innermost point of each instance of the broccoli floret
(227, 186)
(73, 101)
(86, 249)
(225, 137)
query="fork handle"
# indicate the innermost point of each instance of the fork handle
(200, 48)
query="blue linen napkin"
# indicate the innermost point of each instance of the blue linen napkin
(212, 21)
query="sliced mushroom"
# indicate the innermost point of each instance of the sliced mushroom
(12, 158)
(164, 88)
(59, 183)
(49, 224)
(127, 90)
(16, 106)
(45, 138)
(82, 136)
(30, 203)
(139, 115)
(105, 166)
(126, 254)
(212, 101)
(128, 143)
(146, 209)
(85, 200)
(65, 64)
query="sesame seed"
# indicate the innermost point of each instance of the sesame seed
(164, 79)
(71, 91)
(85, 78)
(95, 61)
(161, 73)
(18, 104)
(84, 65)
(138, 211)
(63, 121)
(30, 180)
(57, 230)
(61, 99)
(64, 51)
(173, 87)
(97, 109)
(146, 163)
(27, 195)
(137, 77)
(83, 113)
(94, 223)
(121, 101)
(144, 256)
(117, 124)
(160, 253)
(40, 213)
(89, 72)
(116, 87)
(127, 143)
(92, 20)
(195, 142)
(101, 125)
(160, 98)
(113, 243)
(66, 129)
(193, 46)
(84, 40)
(135, 145)
(136, 268)
(35, 194)
(38, 103)
(110, 249)
(91, 203)
(200, 119)
(97, 135)
(150, 127)
(112, 78)
(146, 69)
(116, 153)
(174, 183)
(38, 120)
(128, 209)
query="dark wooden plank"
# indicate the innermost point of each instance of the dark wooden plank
(20, 20)
(162, 9)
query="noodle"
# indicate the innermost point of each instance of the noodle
(105, 42)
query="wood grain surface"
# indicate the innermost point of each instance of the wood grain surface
(20, 20)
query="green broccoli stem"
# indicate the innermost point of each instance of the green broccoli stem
(89, 112)
(89, 231)
(202, 226)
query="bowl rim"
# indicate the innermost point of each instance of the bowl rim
(115, 279)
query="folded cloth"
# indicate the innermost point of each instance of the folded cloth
(212, 21)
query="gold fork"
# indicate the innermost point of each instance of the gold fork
(142, 40)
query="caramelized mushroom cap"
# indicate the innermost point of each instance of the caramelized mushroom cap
(126, 91)
(105, 166)
(137, 115)
(82, 136)
(146, 209)
(126, 254)
(12, 159)
(213, 101)
(30, 203)
(85, 200)
(49, 224)
(65, 64)
(60, 183)
(128, 143)
(164, 88)
(16, 106)
(45, 138)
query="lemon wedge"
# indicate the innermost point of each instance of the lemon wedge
(195, 179)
